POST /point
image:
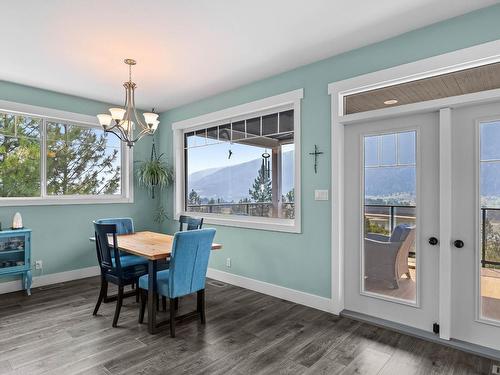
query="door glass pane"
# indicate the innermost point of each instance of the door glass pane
(390, 180)
(489, 265)
(387, 147)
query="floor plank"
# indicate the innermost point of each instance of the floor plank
(54, 332)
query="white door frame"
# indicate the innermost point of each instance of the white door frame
(462, 59)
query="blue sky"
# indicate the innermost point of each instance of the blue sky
(215, 154)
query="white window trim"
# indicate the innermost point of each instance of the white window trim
(48, 114)
(292, 98)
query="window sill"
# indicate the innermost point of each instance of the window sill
(37, 201)
(268, 224)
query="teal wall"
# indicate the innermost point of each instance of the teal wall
(61, 233)
(302, 261)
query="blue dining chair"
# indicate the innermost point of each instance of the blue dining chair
(125, 225)
(186, 275)
(129, 264)
(185, 223)
(189, 223)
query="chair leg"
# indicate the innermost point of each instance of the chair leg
(201, 305)
(172, 317)
(157, 302)
(176, 303)
(144, 297)
(164, 303)
(119, 302)
(102, 294)
(137, 292)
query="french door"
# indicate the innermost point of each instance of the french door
(391, 211)
(392, 231)
(476, 224)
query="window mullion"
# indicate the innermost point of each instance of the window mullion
(43, 159)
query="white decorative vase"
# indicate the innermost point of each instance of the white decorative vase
(17, 221)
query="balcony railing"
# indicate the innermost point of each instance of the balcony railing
(389, 216)
(490, 238)
(393, 214)
(261, 209)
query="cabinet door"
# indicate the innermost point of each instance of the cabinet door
(13, 253)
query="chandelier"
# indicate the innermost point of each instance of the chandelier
(122, 121)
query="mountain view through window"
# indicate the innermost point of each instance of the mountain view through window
(242, 168)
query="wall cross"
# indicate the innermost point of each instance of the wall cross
(316, 153)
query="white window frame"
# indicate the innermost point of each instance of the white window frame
(291, 99)
(50, 114)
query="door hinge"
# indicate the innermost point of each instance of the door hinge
(435, 328)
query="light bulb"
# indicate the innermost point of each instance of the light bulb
(125, 124)
(104, 119)
(150, 117)
(117, 113)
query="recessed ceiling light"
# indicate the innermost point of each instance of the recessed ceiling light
(390, 102)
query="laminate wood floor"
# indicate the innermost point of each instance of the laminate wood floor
(54, 332)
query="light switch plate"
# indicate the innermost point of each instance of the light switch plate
(321, 195)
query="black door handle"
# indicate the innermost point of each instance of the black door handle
(458, 244)
(433, 241)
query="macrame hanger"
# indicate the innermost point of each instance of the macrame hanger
(153, 150)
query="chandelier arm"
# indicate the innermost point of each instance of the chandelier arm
(139, 122)
(112, 127)
(127, 118)
(141, 135)
(122, 135)
(116, 135)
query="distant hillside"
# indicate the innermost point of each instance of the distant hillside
(232, 183)
(390, 181)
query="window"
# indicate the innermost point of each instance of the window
(19, 155)
(47, 161)
(242, 170)
(82, 160)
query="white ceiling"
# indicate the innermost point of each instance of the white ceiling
(188, 50)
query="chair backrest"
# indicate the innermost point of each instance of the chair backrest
(404, 250)
(409, 240)
(124, 225)
(189, 223)
(106, 252)
(400, 233)
(189, 261)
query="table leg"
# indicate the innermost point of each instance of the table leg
(152, 267)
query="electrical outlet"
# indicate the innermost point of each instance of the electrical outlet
(228, 262)
(38, 265)
(495, 369)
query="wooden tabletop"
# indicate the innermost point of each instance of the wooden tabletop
(150, 245)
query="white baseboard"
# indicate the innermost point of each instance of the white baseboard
(302, 298)
(53, 278)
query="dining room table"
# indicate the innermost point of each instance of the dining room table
(154, 247)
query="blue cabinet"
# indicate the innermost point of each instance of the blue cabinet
(15, 255)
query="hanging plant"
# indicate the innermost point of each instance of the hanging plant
(155, 175)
